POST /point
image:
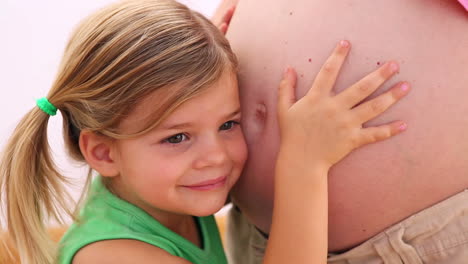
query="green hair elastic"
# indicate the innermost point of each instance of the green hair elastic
(46, 106)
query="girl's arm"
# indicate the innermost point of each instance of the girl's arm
(316, 132)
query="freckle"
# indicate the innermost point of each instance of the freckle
(302, 75)
(310, 60)
(378, 63)
(286, 42)
(290, 13)
(364, 230)
(264, 67)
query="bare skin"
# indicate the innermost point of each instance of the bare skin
(300, 163)
(383, 183)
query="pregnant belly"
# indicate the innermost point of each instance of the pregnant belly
(380, 184)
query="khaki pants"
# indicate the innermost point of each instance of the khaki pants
(436, 235)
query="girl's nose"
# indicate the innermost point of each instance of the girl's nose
(212, 154)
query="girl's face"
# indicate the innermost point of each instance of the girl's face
(188, 164)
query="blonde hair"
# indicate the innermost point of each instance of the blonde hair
(114, 59)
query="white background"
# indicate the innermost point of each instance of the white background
(33, 35)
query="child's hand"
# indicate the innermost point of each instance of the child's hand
(323, 128)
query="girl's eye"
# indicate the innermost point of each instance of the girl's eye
(176, 139)
(228, 125)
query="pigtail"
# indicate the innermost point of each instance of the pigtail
(32, 189)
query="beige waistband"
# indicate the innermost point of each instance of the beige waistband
(430, 236)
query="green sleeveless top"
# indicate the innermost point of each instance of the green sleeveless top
(105, 216)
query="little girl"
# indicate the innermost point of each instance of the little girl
(148, 94)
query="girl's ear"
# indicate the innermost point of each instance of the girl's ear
(98, 152)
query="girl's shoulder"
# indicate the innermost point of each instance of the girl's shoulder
(124, 251)
(104, 218)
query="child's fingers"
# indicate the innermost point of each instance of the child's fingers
(371, 109)
(286, 91)
(327, 75)
(379, 133)
(366, 86)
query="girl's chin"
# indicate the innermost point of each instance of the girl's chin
(209, 209)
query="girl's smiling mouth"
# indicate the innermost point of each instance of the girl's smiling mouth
(208, 185)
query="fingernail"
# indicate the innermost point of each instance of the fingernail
(394, 66)
(344, 43)
(404, 87)
(403, 127)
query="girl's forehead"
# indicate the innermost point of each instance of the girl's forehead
(216, 99)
